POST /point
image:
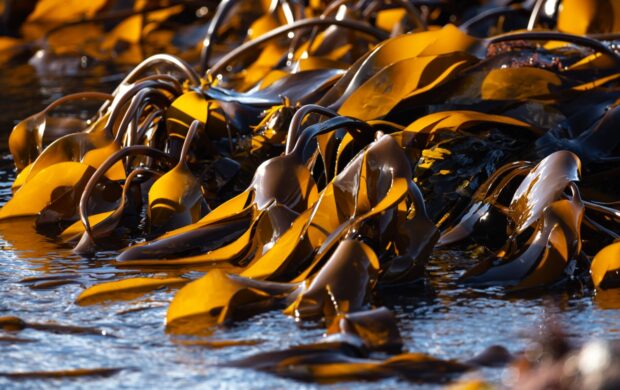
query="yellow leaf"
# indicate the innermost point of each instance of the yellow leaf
(377, 96)
(217, 297)
(589, 16)
(46, 186)
(65, 10)
(606, 264)
(125, 289)
(518, 83)
(457, 120)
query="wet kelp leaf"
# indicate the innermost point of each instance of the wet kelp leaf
(332, 362)
(222, 226)
(63, 180)
(342, 285)
(126, 289)
(377, 329)
(439, 42)
(544, 184)
(563, 245)
(104, 224)
(62, 374)
(605, 267)
(218, 297)
(13, 324)
(589, 16)
(458, 120)
(383, 91)
(175, 199)
(27, 138)
(340, 209)
(550, 250)
(518, 83)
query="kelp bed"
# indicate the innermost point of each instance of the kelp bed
(391, 191)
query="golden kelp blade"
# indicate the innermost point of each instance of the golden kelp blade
(589, 16)
(125, 289)
(556, 239)
(518, 84)
(605, 268)
(192, 106)
(225, 224)
(458, 120)
(62, 179)
(218, 297)
(377, 96)
(175, 198)
(78, 147)
(77, 228)
(232, 253)
(446, 40)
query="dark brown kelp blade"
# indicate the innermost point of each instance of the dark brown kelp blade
(333, 362)
(62, 374)
(544, 184)
(341, 286)
(555, 241)
(283, 181)
(26, 140)
(485, 201)
(377, 329)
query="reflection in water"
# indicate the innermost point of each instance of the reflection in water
(607, 299)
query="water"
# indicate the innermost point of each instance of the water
(444, 319)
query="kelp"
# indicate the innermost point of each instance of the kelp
(126, 288)
(316, 160)
(327, 362)
(62, 374)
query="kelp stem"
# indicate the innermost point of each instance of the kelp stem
(191, 133)
(77, 96)
(283, 30)
(103, 168)
(535, 14)
(557, 36)
(167, 59)
(207, 43)
(293, 129)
